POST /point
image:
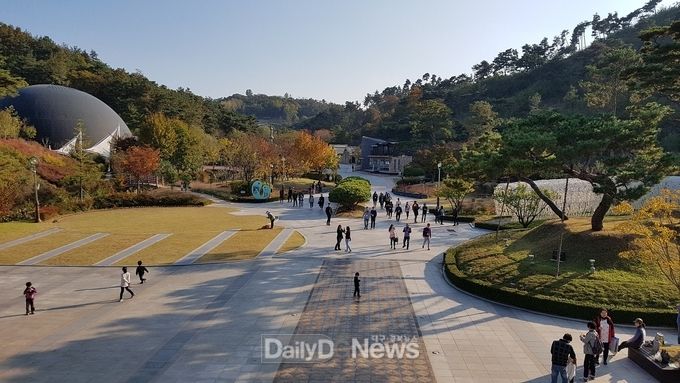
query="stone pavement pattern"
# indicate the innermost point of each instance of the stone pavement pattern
(203, 323)
(383, 311)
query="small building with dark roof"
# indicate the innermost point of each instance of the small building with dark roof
(382, 156)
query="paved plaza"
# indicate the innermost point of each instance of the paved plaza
(204, 322)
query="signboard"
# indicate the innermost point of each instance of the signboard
(260, 190)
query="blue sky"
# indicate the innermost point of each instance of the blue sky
(333, 50)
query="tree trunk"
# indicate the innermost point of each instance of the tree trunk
(596, 222)
(545, 198)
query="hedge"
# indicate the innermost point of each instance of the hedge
(168, 198)
(554, 306)
(226, 196)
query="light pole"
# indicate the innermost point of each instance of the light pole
(272, 174)
(283, 159)
(33, 163)
(439, 180)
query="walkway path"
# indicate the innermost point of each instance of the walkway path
(203, 323)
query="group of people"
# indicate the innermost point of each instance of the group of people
(599, 339)
(406, 230)
(347, 234)
(30, 292)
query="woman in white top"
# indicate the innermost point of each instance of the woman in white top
(125, 284)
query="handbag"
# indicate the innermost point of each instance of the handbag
(614, 345)
(571, 371)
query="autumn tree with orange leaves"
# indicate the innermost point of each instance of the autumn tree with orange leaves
(139, 162)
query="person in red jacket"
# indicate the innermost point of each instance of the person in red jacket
(604, 325)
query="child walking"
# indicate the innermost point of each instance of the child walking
(29, 293)
(140, 271)
(125, 284)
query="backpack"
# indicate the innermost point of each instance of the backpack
(597, 347)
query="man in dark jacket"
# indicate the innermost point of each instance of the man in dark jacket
(407, 237)
(322, 200)
(374, 214)
(357, 291)
(329, 212)
(397, 212)
(375, 198)
(561, 351)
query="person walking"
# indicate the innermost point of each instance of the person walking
(125, 284)
(381, 200)
(407, 209)
(398, 203)
(393, 236)
(348, 239)
(281, 195)
(367, 217)
(322, 200)
(357, 290)
(427, 234)
(397, 213)
(424, 214)
(589, 339)
(301, 199)
(29, 293)
(338, 237)
(311, 201)
(636, 341)
(374, 214)
(441, 215)
(295, 198)
(455, 216)
(375, 198)
(604, 325)
(407, 237)
(290, 194)
(415, 209)
(561, 352)
(329, 212)
(140, 272)
(388, 208)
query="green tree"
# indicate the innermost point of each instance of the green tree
(607, 85)
(432, 122)
(522, 202)
(620, 158)
(12, 126)
(659, 71)
(482, 119)
(454, 191)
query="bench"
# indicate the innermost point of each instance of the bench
(644, 358)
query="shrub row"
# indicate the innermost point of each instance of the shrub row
(554, 306)
(167, 198)
(226, 196)
(410, 180)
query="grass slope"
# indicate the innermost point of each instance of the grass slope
(617, 282)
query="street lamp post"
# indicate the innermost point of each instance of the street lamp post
(283, 159)
(272, 174)
(33, 163)
(439, 180)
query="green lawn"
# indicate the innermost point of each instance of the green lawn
(617, 282)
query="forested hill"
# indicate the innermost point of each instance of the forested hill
(549, 74)
(27, 60)
(275, 110)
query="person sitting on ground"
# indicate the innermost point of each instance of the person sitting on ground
(636, 341)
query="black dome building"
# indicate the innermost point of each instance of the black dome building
(55, 110)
